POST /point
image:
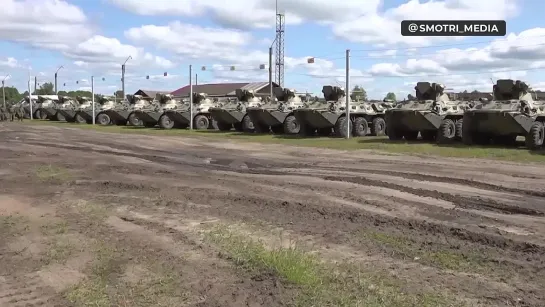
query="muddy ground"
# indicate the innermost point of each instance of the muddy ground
(99, 219)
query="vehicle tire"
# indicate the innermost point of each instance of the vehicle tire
(291, 125)
(43, 115)
(59, 117)
(103, 119)
(459, 128)
(134, 120)
(378, 126)
(165, 122)
(38, 114)
(534, 137)
(247, 124)
(79, 119)
(360, 127)
(410, 135)
(201, 122)
(340, 127)
(446, 132)
(224, 126)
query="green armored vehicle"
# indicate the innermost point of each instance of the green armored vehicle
(112, 112)
(233, 114)
(181, 117)
(512, 113)
(47, 108)
(84, 112)
(148, 115)
(279, 116)
(332, 116)
(67, 108)
(139, 103)
(432, 113)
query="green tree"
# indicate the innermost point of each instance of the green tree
(46, 89)
(391, 96)
(359, 93)
(12, 95)
(410, 97)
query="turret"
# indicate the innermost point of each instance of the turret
(82, 99)
(333, 93)
(430, 91)
(244, 95)
(284, 94)
(198, 97)
(507, 89)
(164, 98)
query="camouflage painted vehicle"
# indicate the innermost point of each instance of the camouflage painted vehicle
(181, 118)
(47, 106)
(67, 109)
(432, 114)
(112, 112)
(137, 103)
(148, 116)
(332, 116)
(84, 112)
(36, 106)
(279, 116)
(512, 113)
(233, 114)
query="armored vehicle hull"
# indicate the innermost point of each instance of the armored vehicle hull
(113, 117)
(48, 113)
(323, 122)
(279, 122)
(431, 126)
(69, 115)
(84, 116)
(228, 118)
(144, 118)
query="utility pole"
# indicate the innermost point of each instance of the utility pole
(190, 99)
(93, 96)
(196, 79)
(30, 95)
(123, 76)
(36, 84)
(270, 71)
(56, 88)
(347, 93)
(3, 90)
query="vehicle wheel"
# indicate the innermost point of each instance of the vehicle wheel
(459, 128)
(79, 119)
(341, 127)
(201, 122)
(378, 126)
(165, 122)
(360, 127)
(278, 129)
(291, 125)
(428, 135)
(224, 126)
(410, 135)
(134, 120)
(534, 137)
(43, 115)
(446, 132)
(103, 119)
(60, 117)
(247, 124)
(395, 134)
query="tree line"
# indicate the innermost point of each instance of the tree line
(13, 95)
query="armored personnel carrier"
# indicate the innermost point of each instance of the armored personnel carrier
(139, 103)
(84, 112)
(47, 108)
(112, 112)
(432, 113)
(67, 108)
(332, 117)
(233, 114)
(36, 106)
(278, 116)
(148, 115)
(181, 118)
(513, 112)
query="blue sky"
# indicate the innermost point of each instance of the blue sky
(95, 37)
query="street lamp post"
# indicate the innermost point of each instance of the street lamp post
(123, 76)
(3, 91)
(56, 73)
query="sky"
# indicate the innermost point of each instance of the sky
(93, 38)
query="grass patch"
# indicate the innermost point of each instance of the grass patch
(60, 249)
(372, 143)
(322, 284)
(52, 229)
(52, 173)
(104, 287)
(444, 259)
(12, 225)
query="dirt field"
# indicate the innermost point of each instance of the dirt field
(100, 219)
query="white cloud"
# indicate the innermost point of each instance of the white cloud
(9, 62)
(256, 13)
(384, 27)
